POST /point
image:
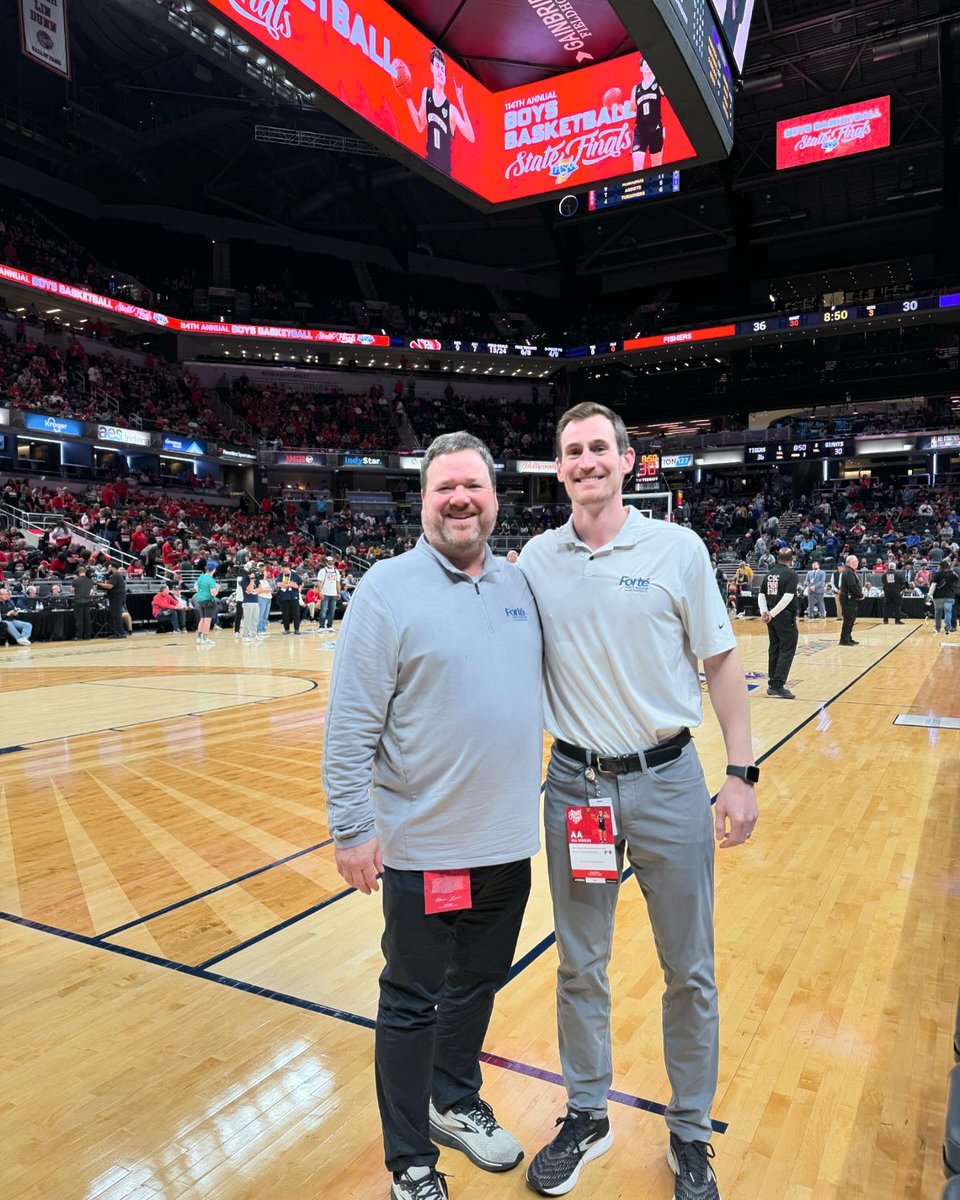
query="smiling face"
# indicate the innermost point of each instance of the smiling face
(590, 466)
(439, 70)
(459, 506)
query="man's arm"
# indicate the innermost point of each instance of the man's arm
(736, 808)
(362, 687)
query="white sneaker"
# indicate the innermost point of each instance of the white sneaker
(419, 1183)
(472, 1128)
(23, 641)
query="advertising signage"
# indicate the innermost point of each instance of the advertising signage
(569, 130)
(533, 466)
(239, 454)
(50, 424)
(128, 437)
(184, 445)
(833, 133)
(300, 460)
(676, 462)
(362, 460)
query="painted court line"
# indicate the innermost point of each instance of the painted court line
(160, 912)
(325, 1010)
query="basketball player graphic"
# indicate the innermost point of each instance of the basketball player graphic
(438, 114)
(648, 132)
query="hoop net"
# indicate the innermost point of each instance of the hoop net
(658, 506)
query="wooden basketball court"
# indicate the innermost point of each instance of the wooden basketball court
(188, 988)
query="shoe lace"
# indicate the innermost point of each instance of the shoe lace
(481, 1114)
(430, 1187)
(570, 1133)
(692, 1160)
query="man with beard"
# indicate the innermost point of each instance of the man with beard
(431, 768)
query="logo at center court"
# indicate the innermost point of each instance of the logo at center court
(516, 614)
(629, 583)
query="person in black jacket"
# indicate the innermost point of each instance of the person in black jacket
(894, 581)
(943, 592)
(82, 599)
(851, 593)
(115, 585)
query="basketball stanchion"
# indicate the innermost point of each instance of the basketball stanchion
(951, 1137)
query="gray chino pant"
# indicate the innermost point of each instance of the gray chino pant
(665, 828)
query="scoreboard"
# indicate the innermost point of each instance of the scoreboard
(830, 318)
(661, 184)
(775, 452)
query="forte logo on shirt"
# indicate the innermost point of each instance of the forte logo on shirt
(516, 614)
(629, 584)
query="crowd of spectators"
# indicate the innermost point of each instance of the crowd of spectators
(510, 429)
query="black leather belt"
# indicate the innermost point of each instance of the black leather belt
(606, 764)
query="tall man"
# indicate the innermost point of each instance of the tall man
(432, 773)
(289, 584)
(816, 582)
(778, 611)
(628, 607)
(851, 593)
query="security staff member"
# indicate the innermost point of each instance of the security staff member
(894, 581)
(851, 593)
(82, 594)
(778, 611)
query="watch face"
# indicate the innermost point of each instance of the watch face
(752, 774)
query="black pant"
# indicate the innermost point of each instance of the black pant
(892, 607)
(116, 620)
(849, 609)
(436, 997)
(290, 611)
(782, 631)
(81, 615)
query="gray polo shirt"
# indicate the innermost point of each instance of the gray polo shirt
(623, 629)
(434, 731)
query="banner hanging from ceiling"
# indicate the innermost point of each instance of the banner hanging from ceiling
(833, 133)
(43, 34)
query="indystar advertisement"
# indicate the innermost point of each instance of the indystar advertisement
(570, 130)
(833, 133)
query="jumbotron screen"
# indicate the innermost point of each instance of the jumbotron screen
(504, 145)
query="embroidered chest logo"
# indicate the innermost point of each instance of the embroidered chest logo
(629, 583)
(516, 614)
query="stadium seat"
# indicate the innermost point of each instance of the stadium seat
(951, 1137)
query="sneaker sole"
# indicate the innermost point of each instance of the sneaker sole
(675, 1168)
(570, 1183)
(446, 1138)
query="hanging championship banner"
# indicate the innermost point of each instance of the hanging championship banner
(43, 34)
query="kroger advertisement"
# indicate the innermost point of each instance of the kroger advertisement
(573, 130)
(833, 133)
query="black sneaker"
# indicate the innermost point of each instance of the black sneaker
(556, 1168)
(419, 1183)
(781, 693)
(689, 1161)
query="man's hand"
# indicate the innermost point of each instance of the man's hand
(360, 865)
(736, 812)
(765, 618)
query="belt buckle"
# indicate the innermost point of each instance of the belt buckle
(610, 765)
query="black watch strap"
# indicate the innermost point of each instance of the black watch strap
(749, 774)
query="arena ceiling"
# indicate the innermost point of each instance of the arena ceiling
(154, 115)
